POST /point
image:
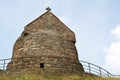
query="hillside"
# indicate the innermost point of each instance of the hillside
(42, 77)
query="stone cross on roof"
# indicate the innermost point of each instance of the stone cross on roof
(48, 9)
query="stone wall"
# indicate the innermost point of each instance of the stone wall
(60, 63)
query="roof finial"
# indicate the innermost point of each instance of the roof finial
(48, 9)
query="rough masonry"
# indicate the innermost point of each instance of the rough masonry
(46, 43)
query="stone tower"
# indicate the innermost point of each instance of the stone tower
(46, 43)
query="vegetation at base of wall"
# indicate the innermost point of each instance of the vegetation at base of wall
(41, 77)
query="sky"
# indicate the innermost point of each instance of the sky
(96, 24)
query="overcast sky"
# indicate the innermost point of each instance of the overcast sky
(96, 24)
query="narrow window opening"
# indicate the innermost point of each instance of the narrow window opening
(25, 34)
(41, 65)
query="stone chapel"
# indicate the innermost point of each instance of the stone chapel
(46, 43)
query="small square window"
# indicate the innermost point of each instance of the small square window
(41, 65)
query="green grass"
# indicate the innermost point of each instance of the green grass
(41, 77)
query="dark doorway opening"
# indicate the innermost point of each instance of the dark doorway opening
(41, 65)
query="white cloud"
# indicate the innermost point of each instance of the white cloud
(116, 31)
(112, 58)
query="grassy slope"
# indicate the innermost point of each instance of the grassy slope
(41, 77)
